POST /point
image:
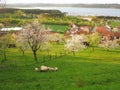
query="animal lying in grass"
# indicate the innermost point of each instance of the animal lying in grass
(52, 69)
(36, 69)
(45, 68)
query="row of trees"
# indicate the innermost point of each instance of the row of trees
(33, 36)
(75, 43)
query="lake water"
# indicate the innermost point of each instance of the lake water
(75, 11)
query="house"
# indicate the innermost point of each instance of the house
(77, 30)
(117, 35)
(117, 29)
(6, 30)
(105, 33)
(85, 29)
(10, 29)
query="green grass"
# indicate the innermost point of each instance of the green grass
(88, 70)
(57, 28)
(115, 24)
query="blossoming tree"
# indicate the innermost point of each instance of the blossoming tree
(75, 44)
(109, 44)
(33, 35)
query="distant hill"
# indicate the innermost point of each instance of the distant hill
(117, 6)
(33, 11)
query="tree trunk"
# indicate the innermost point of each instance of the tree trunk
(35, 56)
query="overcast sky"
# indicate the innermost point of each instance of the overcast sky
(63, 1)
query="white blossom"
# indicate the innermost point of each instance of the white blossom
(75, 43)
(109, 44)
(33, 35)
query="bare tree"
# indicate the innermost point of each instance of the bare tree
(34, 35)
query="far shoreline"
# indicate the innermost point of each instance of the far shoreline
(78, 11)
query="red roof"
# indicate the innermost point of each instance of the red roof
(101, 30)
(117, 34)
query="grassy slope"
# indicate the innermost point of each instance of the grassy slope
(88, 70)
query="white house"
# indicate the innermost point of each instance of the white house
(9, 29)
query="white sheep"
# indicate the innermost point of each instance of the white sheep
(56, 68)
(43, 68)
(36, 69)
(52, 69)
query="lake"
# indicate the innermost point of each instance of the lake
(75, 11)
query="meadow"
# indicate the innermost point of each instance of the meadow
(87, 70)
(57, 28)
(115, 24)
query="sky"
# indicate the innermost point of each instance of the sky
(64, 1)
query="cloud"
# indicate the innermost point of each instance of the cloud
(63, 1)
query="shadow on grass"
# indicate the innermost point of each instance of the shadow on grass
(80, 83)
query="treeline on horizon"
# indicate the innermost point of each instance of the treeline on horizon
(117, 6)
(28, 11)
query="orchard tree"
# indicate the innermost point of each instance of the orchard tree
(33, 34)
(94, 39)
(109, 44)
(75, 44)
(22, 48)
(4, 41)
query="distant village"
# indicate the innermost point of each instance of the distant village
(106, 32)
